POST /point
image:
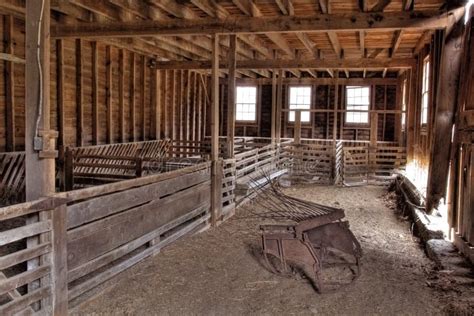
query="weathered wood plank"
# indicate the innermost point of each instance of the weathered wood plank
(92, 240)
(96, 208)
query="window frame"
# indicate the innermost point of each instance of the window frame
(246, 122)
(357, 124)
(425, 91)
(309, 122)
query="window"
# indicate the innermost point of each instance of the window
(246, 104)
(404, 103)
(300, 98)
(425, 91)
(358, 98)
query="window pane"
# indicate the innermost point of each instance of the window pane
(300, 98)
(246, 104)
(357, 98)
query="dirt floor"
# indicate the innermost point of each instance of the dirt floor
(219, 272)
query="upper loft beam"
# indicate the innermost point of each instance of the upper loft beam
(286, 24)
(295, 64)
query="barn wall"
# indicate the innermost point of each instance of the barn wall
(155, 104)
(384, 97)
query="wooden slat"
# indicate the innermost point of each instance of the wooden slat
(19, 233)
(24, 255)
(21, 279)
(26, 300)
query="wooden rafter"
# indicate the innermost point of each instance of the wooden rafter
(397, 37)
(251, 9)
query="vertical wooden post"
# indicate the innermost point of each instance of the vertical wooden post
(143, 97)
(447, 94)
(60, 108)
(133, 134)
(373, 129)
(9, 85)
(108, 92)
(121, 97)
(174, 88)
(297, 131)
(60, 92)
(95, 95)
(79, 100)
(231, 96)
(40, 158)
(39, 171)
(155, 104)
(274, 106)
(410, 118)
(59, 261)
(336, 107)
(279, 107)
(164, 85)
(215, 179)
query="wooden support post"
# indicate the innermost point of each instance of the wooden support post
(60, 93)
(59, 281)
(274, 106)
(143, 97)
(9, 85)
(60, 108)
(216, 187)
(336, 103)
(95, 95)
(39, 171)
(373, 129)
(279, 107)
(108, 92)
(79, 100)
(133, 134)
(297, 131)
(164, 82)
(447, 94)
(39, 145)
(155, 105)
(231, 96)
(121, 97)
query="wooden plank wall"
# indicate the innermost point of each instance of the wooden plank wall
(100, 94)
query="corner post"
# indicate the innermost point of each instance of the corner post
(216, 188)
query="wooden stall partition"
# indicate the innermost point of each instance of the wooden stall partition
(114, 226)
(18, 285)
(311, 160)
(228, 188)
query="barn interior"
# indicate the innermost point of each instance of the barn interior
(138, 140)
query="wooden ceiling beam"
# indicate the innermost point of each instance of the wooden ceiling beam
(262, 25)
(324, 64)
